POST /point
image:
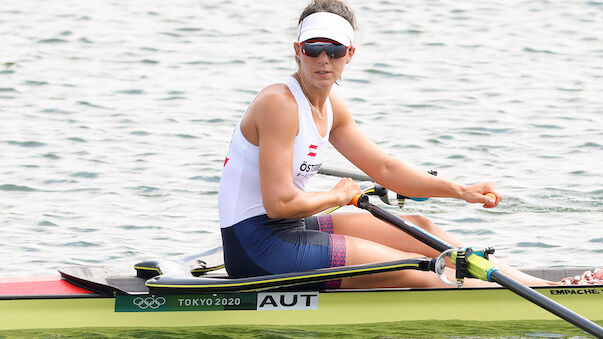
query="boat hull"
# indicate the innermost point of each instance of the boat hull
(278, 308)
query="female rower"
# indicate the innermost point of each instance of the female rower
(267, 218)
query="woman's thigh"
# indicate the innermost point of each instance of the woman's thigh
(366, 226)
(369, 239)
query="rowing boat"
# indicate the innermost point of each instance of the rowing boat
(95, 297)
(195, 291)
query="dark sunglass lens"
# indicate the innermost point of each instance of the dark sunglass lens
(313, 49)
(336, 51)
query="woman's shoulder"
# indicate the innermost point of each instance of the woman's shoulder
(340, 108)
(273, 104)
(337, 100)
(275, 97)
(276, 91)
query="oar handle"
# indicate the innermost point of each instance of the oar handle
(359, 198)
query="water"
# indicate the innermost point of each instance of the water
(116, 117)
(398, 330)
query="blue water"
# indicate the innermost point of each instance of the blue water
(116, 116)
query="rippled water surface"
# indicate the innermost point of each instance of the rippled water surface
(116, 116)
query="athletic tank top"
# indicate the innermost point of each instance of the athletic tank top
(240, 196)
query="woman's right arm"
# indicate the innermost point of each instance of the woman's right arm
(274, 118)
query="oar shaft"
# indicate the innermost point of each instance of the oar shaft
(548, 304)
(416, 232)
(497, 276)
(344, 174)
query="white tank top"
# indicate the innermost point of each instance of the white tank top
(240, 195)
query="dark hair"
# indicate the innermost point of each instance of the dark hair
(333, 6)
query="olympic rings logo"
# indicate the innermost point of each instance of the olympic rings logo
(152, 302)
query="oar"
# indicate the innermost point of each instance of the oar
(345, 174)
(388, 197)
(481, 268)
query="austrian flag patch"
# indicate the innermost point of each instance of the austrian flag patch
(312, 149)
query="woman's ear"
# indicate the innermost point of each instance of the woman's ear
(350, 54)
(297, 49)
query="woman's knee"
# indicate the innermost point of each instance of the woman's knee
(421, 221)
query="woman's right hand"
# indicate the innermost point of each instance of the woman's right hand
(346, 189)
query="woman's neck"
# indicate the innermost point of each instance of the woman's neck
(316, 97)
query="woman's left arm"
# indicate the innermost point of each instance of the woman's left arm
(392, 173)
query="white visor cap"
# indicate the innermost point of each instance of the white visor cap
(326, 25)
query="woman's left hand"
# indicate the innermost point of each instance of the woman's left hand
(476, 194)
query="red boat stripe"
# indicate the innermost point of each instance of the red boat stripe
(39, 286)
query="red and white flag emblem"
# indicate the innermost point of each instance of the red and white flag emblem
(312, 150)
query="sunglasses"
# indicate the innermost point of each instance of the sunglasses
(314, 49)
